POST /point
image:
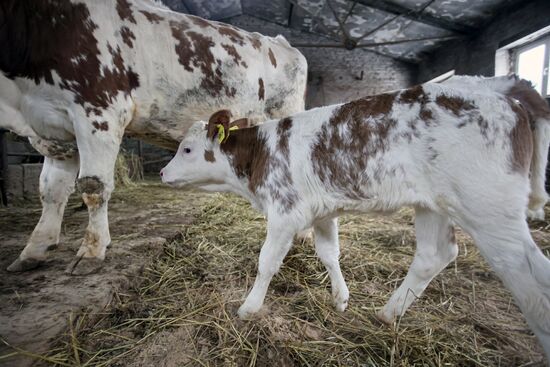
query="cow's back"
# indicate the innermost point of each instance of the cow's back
(190, 68)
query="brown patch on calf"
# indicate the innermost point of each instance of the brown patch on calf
(222, 117)
(280, 184)
(457, 105)
(249, 156)
(340, 159)
(124, 11)
(414, 95)
(535, 105)
(240, 123)
(232, 51)
(283, 131)
(521, 140)
(261, 90)
(272, 58)
(251, 159)
(209, 156)
(127, 36)
(152, 17)
(103, 126)
(426, 114)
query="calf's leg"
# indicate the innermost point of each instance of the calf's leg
(435, 249)
(56, 185)
(507, 245)
(274, 250)
(328, 250)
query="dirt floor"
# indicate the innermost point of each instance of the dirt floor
(36, 306)
(173, 302)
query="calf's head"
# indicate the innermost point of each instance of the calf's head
(199, 161)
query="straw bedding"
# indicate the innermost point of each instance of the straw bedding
(182, 310)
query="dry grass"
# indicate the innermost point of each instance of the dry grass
(128, 169)
(183, 309)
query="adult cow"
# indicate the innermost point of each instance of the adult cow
(77, 75)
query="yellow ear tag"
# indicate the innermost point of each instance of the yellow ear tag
(221, 133)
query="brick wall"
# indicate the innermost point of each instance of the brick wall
(476, 55)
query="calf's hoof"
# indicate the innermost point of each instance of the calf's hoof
(537, 214)
(84, 266)
(248, 313)
(340, 306)
(305, 235)
(384, 318)
(23, 265)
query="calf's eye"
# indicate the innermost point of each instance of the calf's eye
(187, 150)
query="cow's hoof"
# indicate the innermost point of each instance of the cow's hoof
(23, 265)
(84, 266)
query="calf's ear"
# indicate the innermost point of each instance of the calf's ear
(240, 123)
(222, 117)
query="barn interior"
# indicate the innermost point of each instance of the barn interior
(180, 263)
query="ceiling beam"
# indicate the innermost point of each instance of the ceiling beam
(406, 12)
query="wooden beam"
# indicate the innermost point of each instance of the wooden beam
(406, 12)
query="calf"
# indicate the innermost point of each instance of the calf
(456, 154)
(75, 76)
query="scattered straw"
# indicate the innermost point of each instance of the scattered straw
(183, 309)
(128, 169)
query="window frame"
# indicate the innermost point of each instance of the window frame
(545, 40)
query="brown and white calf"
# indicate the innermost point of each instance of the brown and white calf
(77, 75)
(459, 154)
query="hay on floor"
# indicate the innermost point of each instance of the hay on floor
(183, 309)
(128, 169)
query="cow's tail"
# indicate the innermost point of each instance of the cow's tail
(539, 113)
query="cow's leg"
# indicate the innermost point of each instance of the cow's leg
(328, 250)
(57, 181)
(277, 243)
(98, 150)
(435, 249)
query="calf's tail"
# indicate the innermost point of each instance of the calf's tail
(539, 113)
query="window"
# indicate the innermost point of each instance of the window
(532, 62)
